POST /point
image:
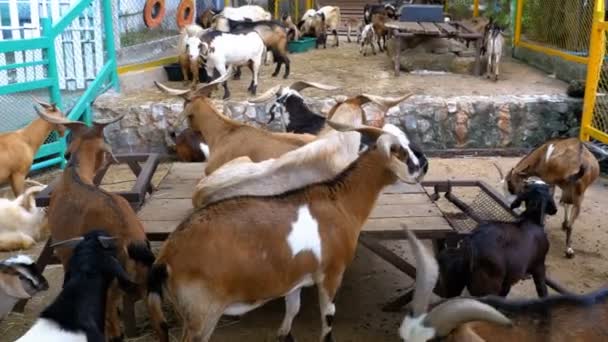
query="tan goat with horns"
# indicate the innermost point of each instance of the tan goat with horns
(277, 244)
(78, 206)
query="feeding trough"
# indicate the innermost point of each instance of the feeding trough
(174, 73)
(302, 45)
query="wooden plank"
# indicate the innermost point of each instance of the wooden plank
(160, 227)
(447, 28)
(403, 188)
(418, 198)
(430, 28)
(399, 210)
(175, 189)
(180, 171)
(166, 209)
(417, 223)
(407, 26)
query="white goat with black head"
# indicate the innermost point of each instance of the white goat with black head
(221, 51)
(19, 279)
(78, 312)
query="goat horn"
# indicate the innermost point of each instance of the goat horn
(56, 120)
(218, 80)
(301, 85)
(69, 242)
(110, 120)
(40, 102)
(265, 97)
(108, 149)
(427, 273)
(171, 91)
(33, 182)
(452, 313)
(369, 131)
(387, 102)
(340, 98)
(500, 171)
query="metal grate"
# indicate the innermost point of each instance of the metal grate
(482, 207)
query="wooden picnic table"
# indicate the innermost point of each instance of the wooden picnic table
(407, 29)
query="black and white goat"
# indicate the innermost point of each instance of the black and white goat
(494, 42)
(78, 312)
(496, 255)
(19, 279)
(371, 9)
(367, 38)
(221, 51)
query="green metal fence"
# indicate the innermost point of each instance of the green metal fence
(45, 82)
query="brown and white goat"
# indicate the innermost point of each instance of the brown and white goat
(278, 244)
(381, 31)
(78, 206)
(18, 148)
(228, 139)
(565, 162)
(19, 279)
(189, 52)
(190, 146)
(495, 319)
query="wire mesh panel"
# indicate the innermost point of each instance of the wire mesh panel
(133, 28)
(559, 24)
(600, 112)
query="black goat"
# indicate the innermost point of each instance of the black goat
(78, 312)
(496, 255)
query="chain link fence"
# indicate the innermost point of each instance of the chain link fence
(558, 24)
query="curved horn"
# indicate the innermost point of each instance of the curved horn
(57, 120)
(40, 102)
(340, 98)
(301, 85)
(500, 171)
(110, 120)
(369, 131)
(427, 273)
(207, 87)
(448, 315)
(69, 242)
(171, 91)
(387, 102)
(266, 96)
(108, 149)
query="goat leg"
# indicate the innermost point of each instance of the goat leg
(538, 275)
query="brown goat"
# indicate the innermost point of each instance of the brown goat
(277, 244)
(228, 139)
(564, 162)
(77, 206)
(379, 24)
(206, 18)
(293, 34)
(189, 146)
(18, 148)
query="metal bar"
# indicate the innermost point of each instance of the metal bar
(518, 17)
(25, 86)
(463, 206)
(47, 32)
(74, 12)
(596, 54)
(47, 163)
(23, 65)
(110, 48)
(23, 44)
(475, 8)
(596, 134)
(554, 52)
(89, 94)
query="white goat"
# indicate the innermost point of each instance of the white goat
(247, 12)
(494, 43)
(188, 50)
(20, 221)
(221, 50)
(367, 38)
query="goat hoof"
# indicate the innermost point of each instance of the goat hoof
(569, 253)
(286, 338)
(274, 74)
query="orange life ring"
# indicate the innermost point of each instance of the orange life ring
(185, 13)
(154, 12)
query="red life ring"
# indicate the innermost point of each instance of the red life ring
(185, 13)
(154, 12)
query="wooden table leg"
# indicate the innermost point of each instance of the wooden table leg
(43, 260)
(477, 67)
(128, 315)
(397, 57)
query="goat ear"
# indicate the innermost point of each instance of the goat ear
(12, 285)
(114, 268)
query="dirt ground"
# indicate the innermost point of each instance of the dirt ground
(369, 282)
(355, 74)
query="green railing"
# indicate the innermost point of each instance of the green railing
(52, 152)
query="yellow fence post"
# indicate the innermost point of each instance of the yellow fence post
(518, 15)
(475, 8)
(226, 3)
(297, 5)
(276, 9)
(597, 46)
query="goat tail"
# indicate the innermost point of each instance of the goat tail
(140, 252)
(157, 278)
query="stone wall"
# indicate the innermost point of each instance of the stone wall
(434, 122)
